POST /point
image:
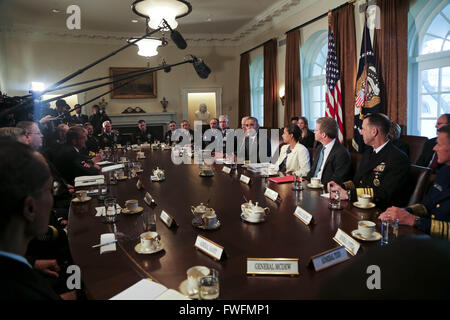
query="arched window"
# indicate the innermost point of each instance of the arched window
(257, 89)
(313, 62)
(429, 66)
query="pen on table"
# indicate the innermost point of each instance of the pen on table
(104, 244)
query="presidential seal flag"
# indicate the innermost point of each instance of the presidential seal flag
(333, 94)
(367, 95)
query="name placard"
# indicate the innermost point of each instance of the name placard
(329, 258)
(350, 244)
(114, 167)
(209, 247)
(148, 199)
(139, 185)
(303, 215)
(273, 266)
(226, 169)
(271, 194)
(167, 219)
(244, 179)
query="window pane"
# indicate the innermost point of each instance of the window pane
(446, 11)
(316, 96)
(439, 27)
(427, 128)
(317, 110)
(429, 106)
(430, 80)
(317, 70)
(431, 44)
(445, 82)
(445, 103)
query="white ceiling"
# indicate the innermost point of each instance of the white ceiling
(227, 18)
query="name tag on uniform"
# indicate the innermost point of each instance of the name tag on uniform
(273, 266)
(167, 219)
(350, 244)
(303, 215)
(209, 247)
(226, 169)
(272, 195)
(329, 258)
(244, 179)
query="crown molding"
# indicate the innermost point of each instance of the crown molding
(264, 21)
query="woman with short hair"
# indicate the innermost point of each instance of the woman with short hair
(294, 157)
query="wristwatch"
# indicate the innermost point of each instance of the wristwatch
(417, 222)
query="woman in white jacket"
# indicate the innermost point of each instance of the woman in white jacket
(294, 157)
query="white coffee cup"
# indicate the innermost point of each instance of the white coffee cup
(150, 240)
(366, 228)
(364, 199)
(315, 181)
(132, 205)
(193, 274)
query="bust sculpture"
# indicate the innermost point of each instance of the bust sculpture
(202, 113)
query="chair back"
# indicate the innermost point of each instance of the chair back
(415, 144)
(418, 183)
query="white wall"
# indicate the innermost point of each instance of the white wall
(50, 60)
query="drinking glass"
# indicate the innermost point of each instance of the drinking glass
(297, 184)
(389, 229)
(208, 286)
(110, 209)
(101, 191)
(335, 199)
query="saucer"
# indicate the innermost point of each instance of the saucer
(358, 205)
(318, 186)
(122, 178)
(375, 236)
(206, 175)
(196, 223)
(77, 200)
(126, 211)
(245, 218)
(183, 288)
(138, 249)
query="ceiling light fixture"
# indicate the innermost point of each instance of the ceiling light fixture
(157, 10)
(148, 47)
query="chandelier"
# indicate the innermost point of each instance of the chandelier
(157, 10)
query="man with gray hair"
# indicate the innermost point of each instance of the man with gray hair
(332, 160)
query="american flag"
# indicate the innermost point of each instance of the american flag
(333, 94)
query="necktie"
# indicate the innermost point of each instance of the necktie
(319, 163)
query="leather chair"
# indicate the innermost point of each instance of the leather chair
(356, 159)
(415, 146)
(418, 183)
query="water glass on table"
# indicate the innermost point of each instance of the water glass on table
(208, 286)
(110, 209)
(335, 199)
(389, 229)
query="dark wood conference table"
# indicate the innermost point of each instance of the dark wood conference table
(283, 235)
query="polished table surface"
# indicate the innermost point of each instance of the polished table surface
(282, 235)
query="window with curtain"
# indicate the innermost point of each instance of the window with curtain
(429, 67)
(313, 55)
(257, 88)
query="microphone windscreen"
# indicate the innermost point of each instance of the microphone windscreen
(177, 38)
(167, 69)
(201, 68)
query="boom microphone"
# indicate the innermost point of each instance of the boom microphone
(200, 67)
(178, 39)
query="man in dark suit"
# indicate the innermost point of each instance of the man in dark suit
(332, 160)
(433, 214)
(251, 147)
(168, 135)
(25, 200)
(383, 170)
(70, 162)
(79, 118)
(428, 157)
(97, 118)
(92, 143)
(109, 137)
(143, 135)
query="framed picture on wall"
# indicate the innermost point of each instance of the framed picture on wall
(139, 88)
